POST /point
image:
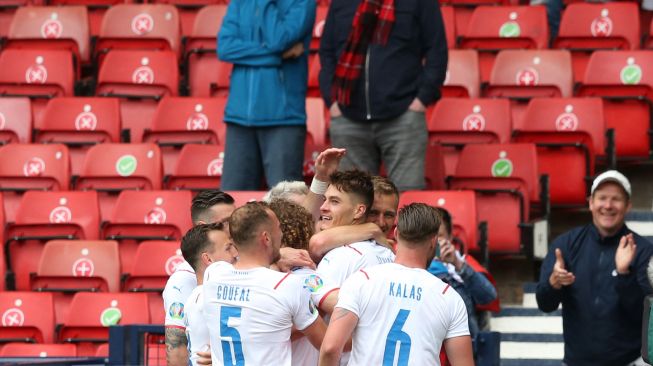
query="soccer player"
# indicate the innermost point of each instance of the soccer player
(251, 309)
(202, 245)
(207, 207)
(398, 313)
(348, 200)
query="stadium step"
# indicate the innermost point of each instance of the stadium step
(529, 337)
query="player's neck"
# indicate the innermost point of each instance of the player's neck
(200, 276)
(247, 261)
(412, 258)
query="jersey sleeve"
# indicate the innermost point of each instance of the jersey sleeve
(330, 268)
(458, 315)
(304, 311)
(178, 288)
(350, 293)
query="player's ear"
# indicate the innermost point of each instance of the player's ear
(360, 211)
(205, 258)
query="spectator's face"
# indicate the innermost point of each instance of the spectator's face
(384, 212)
(338, 209)
(609, 205)
(223, 248)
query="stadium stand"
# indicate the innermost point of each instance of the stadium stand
(463, 79)
(587, 27)
(623, 80)
(183, 120)
(44, 216)
(38, 350)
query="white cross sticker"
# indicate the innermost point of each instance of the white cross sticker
(156, 216)
(34, 167)
(215, 167)
(13, 318)
(143, 75)
(60, 215)
(142, 24)
(527, 77)
(51, 28)
(86, 121)
(36, 74)
(3, 121)
(173, 263)
(601, 27)
(83, 267)
(197, 121)
(567, 122)
(319, 29)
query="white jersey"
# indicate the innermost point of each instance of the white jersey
(250, 314)
(303, 352)
(340, 263)
(404, 315)
(196, 330)
(178, 288)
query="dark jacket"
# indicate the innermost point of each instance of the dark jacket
(601, 311)
(395, 73)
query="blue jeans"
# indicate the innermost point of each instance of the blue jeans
(253, 152)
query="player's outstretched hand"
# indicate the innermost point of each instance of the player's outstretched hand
(291, 257)
(327, 163)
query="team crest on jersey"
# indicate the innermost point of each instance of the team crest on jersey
(313, 283)
(176, 310)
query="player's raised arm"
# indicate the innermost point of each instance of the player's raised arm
(340, 329)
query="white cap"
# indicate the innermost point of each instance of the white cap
(612, 176)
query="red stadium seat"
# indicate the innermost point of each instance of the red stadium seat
(463, 79)
(455, 122)
(624, 80)
(92, 313)
(38, 350)
(199, 167)
(520, 75)
(80, 123)
(140, 79)
(37, 74)
(96, 10)
(449, 25)
(504, 177)
(78, 265)
(148, 215)
(180, 121)
(111, 168)
(15, 120)
(153, 263)
(32, 167)
(205, 74)
(493, 28)
(460, 204)
(318, 27)
(140, 26)
(587, 27)
(26, 317)
(569, 133)
(44, 216)
(3, 262)
(52, 27)
(242, 197)
(102, 350)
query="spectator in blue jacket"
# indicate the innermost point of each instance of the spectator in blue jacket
(598, 273)
(450, 266)
(382, 63)
(267, 43)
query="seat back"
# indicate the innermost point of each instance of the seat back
(154, 262)
(112, 167)
(43, 216)
(455, 122)
(38, 350)
(34, 166)
(524, 73)
(138, 73)
(463, 77)
(140, 26)
(198, 167)
(504, 177)
(449, 20)
(624, 80)
(40, 27)
(92, 313)
(569, 133)
(15, 120)
(36, 73)
(460, 204)
(500, 27)
(78, 265)
(26, 316)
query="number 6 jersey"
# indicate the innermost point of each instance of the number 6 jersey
(404, 315)
(250, 314)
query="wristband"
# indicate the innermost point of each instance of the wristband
(319, 187)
